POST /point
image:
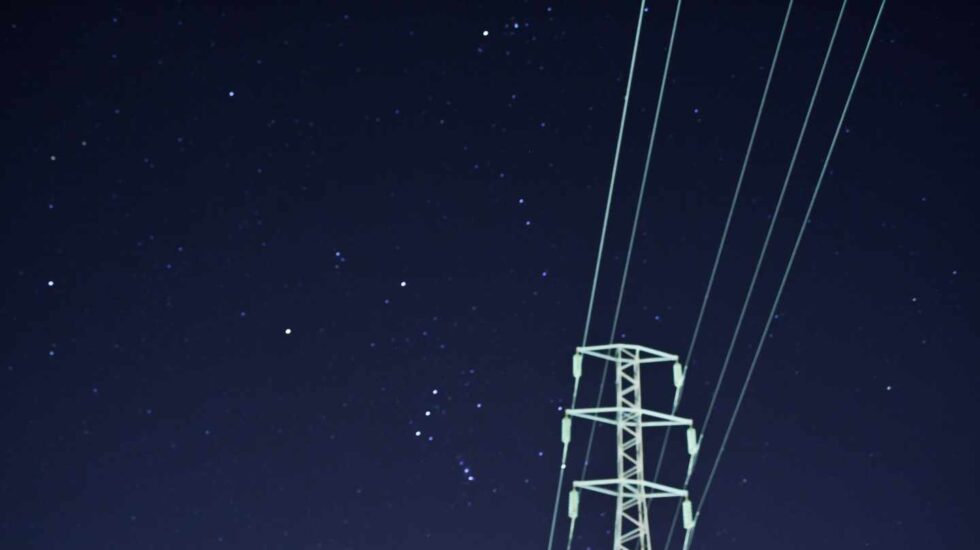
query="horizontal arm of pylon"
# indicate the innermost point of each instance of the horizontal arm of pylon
(651, 489)
(631, 353)
(652, 419)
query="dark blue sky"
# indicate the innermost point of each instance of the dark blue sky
(416, 194)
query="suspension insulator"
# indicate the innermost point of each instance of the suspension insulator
(566, 430)
(678, 374)
(688, 514)
(573, 504)
(577, 365)
(692, 441)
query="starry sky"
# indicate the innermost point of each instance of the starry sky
(311, 277)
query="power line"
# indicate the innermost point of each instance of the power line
(792, 258)
(602, 241)
(724, 234)
(765, 246)
(772, 223)
(636, 222)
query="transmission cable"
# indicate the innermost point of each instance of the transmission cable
(724, 234)
(598, 262)
(792, 258)
(762, 254)
(636, 221)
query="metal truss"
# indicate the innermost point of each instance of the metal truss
(631, 488)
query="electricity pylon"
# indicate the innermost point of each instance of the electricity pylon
(631, 488)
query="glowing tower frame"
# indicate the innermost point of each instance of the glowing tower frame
(631, 488)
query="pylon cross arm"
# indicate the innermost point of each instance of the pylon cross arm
(648, 418)
(632, 486)
(623, 353)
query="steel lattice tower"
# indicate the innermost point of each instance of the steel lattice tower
(631, 488)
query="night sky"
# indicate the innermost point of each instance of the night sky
(311, 277)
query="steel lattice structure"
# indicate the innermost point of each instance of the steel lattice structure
(631, 488)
